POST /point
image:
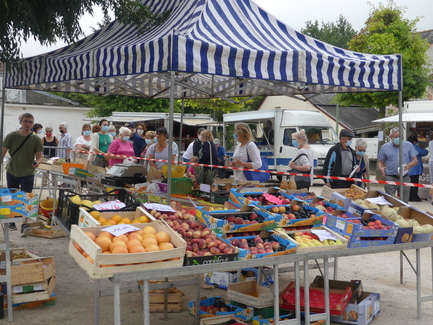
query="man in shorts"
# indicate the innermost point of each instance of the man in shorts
(25, 150)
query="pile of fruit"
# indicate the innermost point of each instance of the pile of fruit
(293, 212)
(87, 204)
(201, 241)
(140, 241)
(18, 256)
(218, 306)
(258, 245)
(262, 200)
(371, 224)
(241, 218)
(118, 220)
(355, 193)
(308, 239)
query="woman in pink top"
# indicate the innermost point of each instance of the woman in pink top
(121, 146)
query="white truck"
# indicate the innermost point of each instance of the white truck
(273, 131)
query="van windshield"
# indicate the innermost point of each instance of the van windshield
(320, 134)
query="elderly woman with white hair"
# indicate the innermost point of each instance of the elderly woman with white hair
(363, 162)
(121, 146)
(65, 142)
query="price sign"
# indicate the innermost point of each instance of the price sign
(118, 230)
(273, 199)
(323, 234)
(6, 198)
(158, 207)
(110, 205)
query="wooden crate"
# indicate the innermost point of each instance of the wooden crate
(38, 229)
(140, 261)
(174, 300)
(42, 291)
(86, 220)
(36, 270)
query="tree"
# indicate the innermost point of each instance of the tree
(387, 32)
(338, 34)
(50, 20)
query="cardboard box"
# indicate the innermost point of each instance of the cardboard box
(33, 292)
(223, 279)
(356, 286)
(361, 313)
(220, 320)
(327, 192)
(33, 304)
(251, 294)
(80, 172)
(286, 320)
(39, 229)
(35, 270)
(170, 258)
(341, 200)
(18, 204)
(244, 314)
(342, 296)
(237, 198)
(355, 192)
(421, 217)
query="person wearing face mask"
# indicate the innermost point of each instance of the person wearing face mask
(100, 142)
(65, 142)
(37, 128)
(138, 141)
(83, 142)
(121, 146)
(340, 161)
(49, 140)
(416, 170)
(363, 162)
(389, 163)
(112, 131)
(303, 162)
(197, 144)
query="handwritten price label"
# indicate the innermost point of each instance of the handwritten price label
(323, 235)
(118, 230)
(158, 207)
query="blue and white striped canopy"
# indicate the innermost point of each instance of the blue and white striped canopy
(218, 48)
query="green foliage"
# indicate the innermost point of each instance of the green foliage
(50, 20)
(387, 32)
(338, 34)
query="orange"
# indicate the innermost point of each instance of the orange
(117, 244)
(111, 222)
(135, 236)
(102, 220)
(116, 218)
(148, 235)
(107, 234)
(133, 242)
(78, 247)
(149, 230)
(165, 246)
(162, 237)
(95, 214)
(121, 237)
(119, 250)
(144, 219)
(91, 235)
(104, 242)
(152, 248)
(107, 223)
(106, 252)
(135, 221)
(137, 249)
(125, 220)
(90, 259)
(139, 232)
(149, 241)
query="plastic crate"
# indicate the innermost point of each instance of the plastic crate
(176, 171)
(178, 186)
(68, 212)
(219, 197)
(66, 167)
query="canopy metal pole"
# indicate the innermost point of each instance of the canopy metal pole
(3, 118)
(170, 136)
(181, 129)
(400, 126)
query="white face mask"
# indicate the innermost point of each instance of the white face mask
(140, 132)
(199, 137)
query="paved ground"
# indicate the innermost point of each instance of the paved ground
(379, 273)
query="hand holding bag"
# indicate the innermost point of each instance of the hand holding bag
(257, 176)
(302, 181)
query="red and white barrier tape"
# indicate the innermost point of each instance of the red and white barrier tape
(263, 171)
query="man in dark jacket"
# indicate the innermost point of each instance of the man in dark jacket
(197, 143)
(340, 161)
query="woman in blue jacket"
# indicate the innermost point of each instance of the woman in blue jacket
(416, 170)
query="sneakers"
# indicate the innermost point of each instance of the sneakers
(24, 228)
(12, 226)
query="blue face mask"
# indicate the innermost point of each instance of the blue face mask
(87, 133)
(155, 140)
(104, 128)
(148, 141)
(349, 143)
(295, 143)
(396, 141)
(126, 138)
(40, 131)
(360, 153)
(235, 137)
(113, 134)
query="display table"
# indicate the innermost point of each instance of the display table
(270, 261)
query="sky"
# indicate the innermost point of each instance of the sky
(294, 13)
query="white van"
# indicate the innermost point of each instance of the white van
(273, 131)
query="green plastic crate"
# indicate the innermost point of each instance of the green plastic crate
(181, 186)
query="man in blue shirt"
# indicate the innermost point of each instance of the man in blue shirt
(138, 142)
(389, 162)
(416, 170)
